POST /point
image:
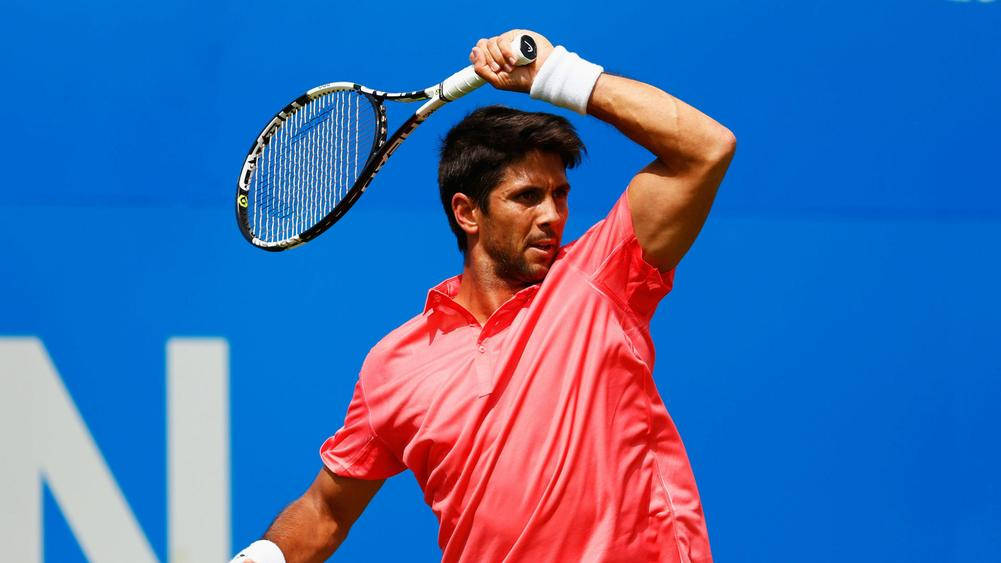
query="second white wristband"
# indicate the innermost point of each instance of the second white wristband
(261, 551)
(566, 80)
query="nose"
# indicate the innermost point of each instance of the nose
(549, 212)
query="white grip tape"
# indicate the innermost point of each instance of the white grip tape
(460, 84)
(261, 551)
(466, 80)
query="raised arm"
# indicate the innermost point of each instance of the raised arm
(313, 527)
(670, 198)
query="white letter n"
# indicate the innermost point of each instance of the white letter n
(43, 436)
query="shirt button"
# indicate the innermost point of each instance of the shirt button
(481, 349)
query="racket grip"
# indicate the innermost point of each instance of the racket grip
(466, 80)
(460, 84)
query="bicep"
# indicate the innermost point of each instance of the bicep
(344, 497)
(669, 208)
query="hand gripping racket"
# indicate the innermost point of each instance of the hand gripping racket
(317, 155)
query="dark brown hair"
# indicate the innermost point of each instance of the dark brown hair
(478, 149)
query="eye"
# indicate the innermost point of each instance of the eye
(561, 193)
(529, 196)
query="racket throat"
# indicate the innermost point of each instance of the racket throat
(427, 109)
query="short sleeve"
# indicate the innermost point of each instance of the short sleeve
(611, 256)
(355, 450)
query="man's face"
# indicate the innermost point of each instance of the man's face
(522, 231)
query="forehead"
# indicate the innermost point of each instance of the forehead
(539, 169)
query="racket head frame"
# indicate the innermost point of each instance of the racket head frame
(375, 98)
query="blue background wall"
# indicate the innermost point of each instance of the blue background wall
(831, 351)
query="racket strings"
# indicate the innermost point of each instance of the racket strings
(310, 164)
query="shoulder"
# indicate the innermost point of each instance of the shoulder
(611, 259)
(590, 251)
(389, 355)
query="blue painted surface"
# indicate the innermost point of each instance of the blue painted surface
(830, 352)
(60, 543)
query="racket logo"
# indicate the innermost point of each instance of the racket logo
(242, 200)
(528, 46)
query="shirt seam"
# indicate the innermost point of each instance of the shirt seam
(622, 329)
(663, 483)
(371, 427)
(633, 316)
(350, 461)
(608, 257)
(592, 278)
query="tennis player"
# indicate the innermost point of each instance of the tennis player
(522, 397)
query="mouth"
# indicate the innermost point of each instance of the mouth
(547, 245)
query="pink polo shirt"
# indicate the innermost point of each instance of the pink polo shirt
(539, 436)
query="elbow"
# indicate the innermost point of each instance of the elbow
(717, 151)
(724, 146)
(328, 526)
(714, 151)
(713, 158)
(731, 142)
(339, 534)
(330, 534)
(335, 528)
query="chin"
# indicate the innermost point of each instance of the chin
(537, 272)
(537, 275)
(526, 268)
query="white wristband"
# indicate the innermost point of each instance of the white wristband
(565, 80)
(261, 551)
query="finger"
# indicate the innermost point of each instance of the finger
(482, 67)
(479, 59)
(483, 47)
(505, 46)
(493, 46)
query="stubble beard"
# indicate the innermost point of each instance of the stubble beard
(512, 266)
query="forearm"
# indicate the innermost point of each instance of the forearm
(680, 136)
(306, 531)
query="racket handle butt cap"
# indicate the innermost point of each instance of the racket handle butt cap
(524, 47)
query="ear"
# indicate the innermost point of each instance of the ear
(467, 214)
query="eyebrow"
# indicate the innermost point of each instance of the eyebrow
(528, 187)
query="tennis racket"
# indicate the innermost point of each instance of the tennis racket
(317, 155)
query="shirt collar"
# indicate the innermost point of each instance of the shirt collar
(447, 289)
(445, 292)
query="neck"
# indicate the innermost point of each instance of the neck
(482, 291)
